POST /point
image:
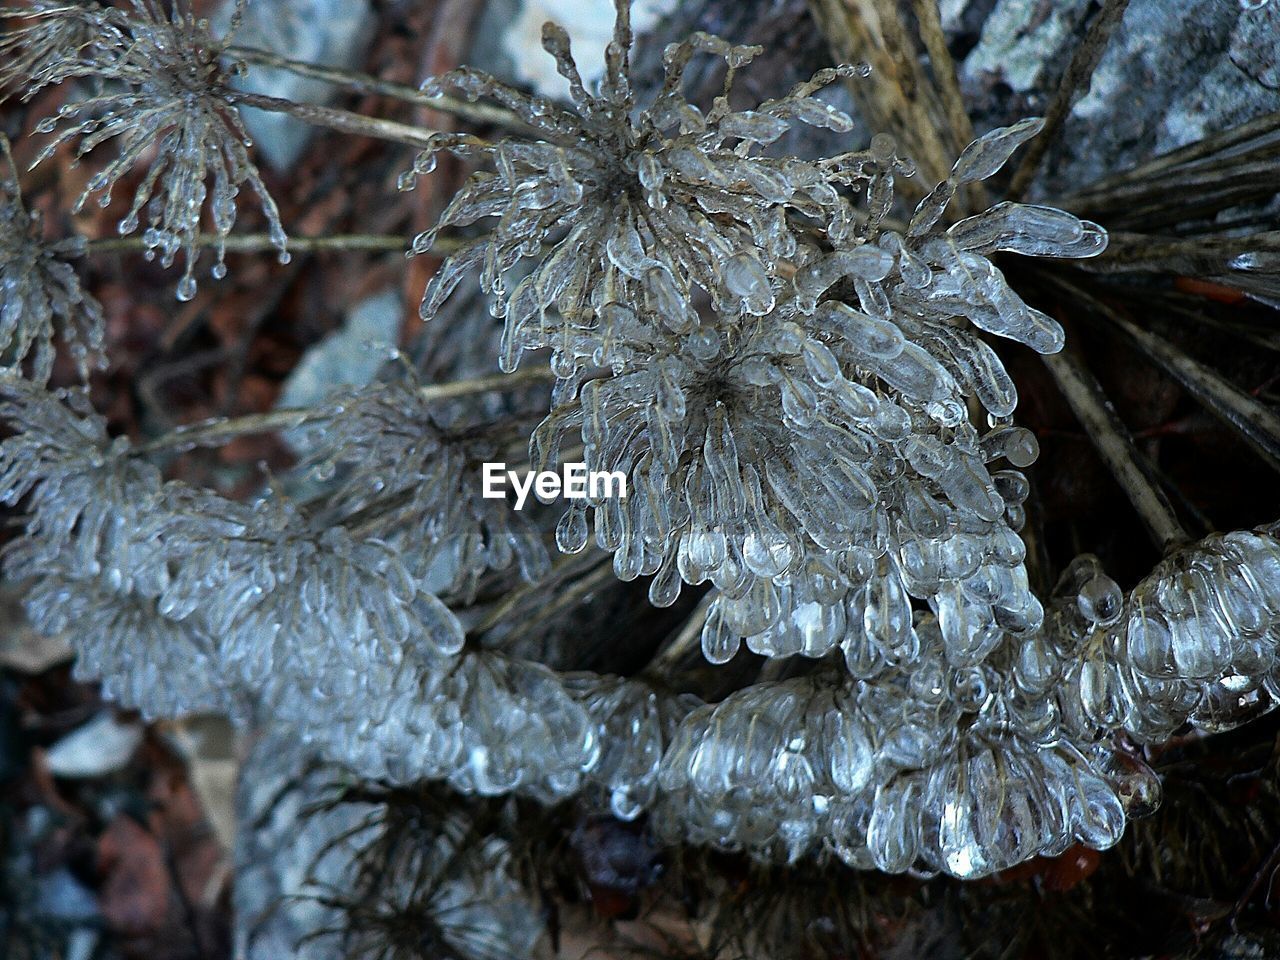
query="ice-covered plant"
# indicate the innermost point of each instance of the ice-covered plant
(166, 98)
(627, 205)
(803, 381)
(42, 294)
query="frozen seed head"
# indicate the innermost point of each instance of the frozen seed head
(818, 470)
(936, 745)
(52, 40)
(616, 204)
(167, 98)
(917, 770)
(40, 293)
(785, 372)
(803, 442)
(385, 457)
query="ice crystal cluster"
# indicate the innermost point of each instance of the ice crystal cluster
(40, 293)
(164, 98)
(797, 377)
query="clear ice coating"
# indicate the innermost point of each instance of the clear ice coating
(40, 293)
(165, 102)
(802, 441)
(931, 743)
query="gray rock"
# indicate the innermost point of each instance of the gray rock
(350, 356)
(331, 33)
(1255, 44)
(103, 745)
(60, 896)
(1174, 71)
(509, 38)
(1022, 42)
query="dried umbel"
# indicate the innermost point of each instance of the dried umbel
(166, 98)
(781, 457)
(40, 40)
(629, 206)
(428, 880)
(40, 294)
(727, 484)
(781, 442)
(418, 486)
(795, 377)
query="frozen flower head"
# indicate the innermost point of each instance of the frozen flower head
(42, 42)
(167, 99)
(40, 293)
(793, 461)
(417, 486)
(619, 204)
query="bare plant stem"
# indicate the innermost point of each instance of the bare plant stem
(1252, 420)
(345, 121)
(211, 432)
(1076, 79)
(688, 639)
(479, 113)
(260, 242)
(597, 577)
(948, 87)
(561, 569)
(1194, 256)
(902, 99)
(1115, 445)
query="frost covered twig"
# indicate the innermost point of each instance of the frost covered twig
(261, 242)
(345, 121)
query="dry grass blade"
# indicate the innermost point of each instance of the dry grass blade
(1193, 256)
(901, 99)
(1083, 62)
(1256, 423)
(1114, 444)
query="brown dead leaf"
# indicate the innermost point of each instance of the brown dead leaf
(134, 896)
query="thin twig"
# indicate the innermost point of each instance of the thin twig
(215, 431)
(260, 242)
(1083, 62)
(898, 99)
(1115, 445)
(682, 643)
(344, 121)
(1185, 192)
(563, 567)
(1254, 421)
(1189, 256)
(566, 597)
(480, 113)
